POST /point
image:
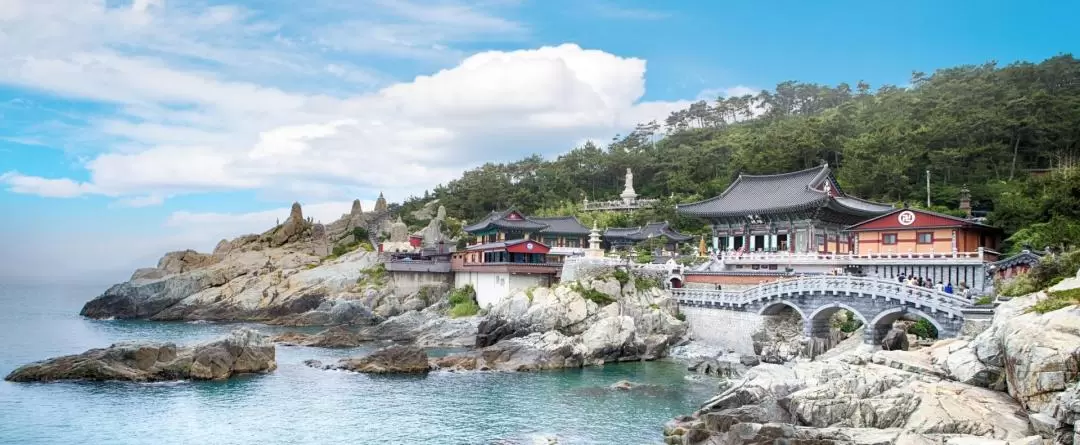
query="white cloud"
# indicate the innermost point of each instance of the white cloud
(735, 91)
(52, 188)
(405, 137)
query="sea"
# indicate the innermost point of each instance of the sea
(297, 404)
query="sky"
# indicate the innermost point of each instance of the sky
(129, 128)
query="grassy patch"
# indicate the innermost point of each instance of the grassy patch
(1057, 300)
(594, 295)
(985, 299)
(463, 302)
(529, 293)
(310, 266)
(654, 307)
(375, 275)
(681, 316)
(645, 283)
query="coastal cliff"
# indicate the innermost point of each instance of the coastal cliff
(1014, 383)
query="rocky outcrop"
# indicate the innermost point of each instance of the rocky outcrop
(559, 327)
(335, 337)
(291, 231)
(243, 351)
(896, 339)
(838, 400)
(949, 392)
(396, 359)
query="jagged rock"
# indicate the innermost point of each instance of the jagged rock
(380, 204)
(895, 340)
(330, 313)
(243, 351)
(396, 359)
(183, 261)
(427, 328)
(292, 230)
(534, 352)
(961, 363)
(335, 337)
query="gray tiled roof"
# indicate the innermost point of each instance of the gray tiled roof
(567, 225)
(503, 244)
(652, 229)
(785, 192)
(1026, 257)
(497, 219)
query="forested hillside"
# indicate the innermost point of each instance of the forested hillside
(988, 127)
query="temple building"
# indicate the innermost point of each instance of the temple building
(628, 199)
(1016, 265)
(622, 238)
(768, 227)
(922, 231)
(510, 251)
(803, 211)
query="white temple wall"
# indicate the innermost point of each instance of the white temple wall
(492, 288)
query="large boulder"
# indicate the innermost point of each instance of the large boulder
(243, 351)
(396, 359)
(533, 352)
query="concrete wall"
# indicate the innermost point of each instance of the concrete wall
(724, 329)
(493, 287)
(409, 282)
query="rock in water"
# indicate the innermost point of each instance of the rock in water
(243, 351)
(335, 337)
(396, 359)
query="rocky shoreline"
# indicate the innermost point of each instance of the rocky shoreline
(1014, 383)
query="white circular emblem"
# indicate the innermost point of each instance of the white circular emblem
(528, 246)
(906, 218)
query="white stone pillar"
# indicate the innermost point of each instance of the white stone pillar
(752, 246)
(731, 243)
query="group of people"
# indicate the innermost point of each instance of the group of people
(941, 286)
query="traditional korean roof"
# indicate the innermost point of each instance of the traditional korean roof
(782, 193)
(1026, 258)
(563, 225)
(509, 245)
(650, 230)
(508, 220)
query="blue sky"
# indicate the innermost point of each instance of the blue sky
(132, 127)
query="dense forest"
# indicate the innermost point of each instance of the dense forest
(1010, 134)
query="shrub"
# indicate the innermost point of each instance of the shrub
(681, 316)
(462, 294)
(644, 258)
(529, 293)
(593, 295)
(1018, 286)
(464, 309)
(621, 276)
(374, 275)
(1057, 300)
(923, 329)
(985, 299)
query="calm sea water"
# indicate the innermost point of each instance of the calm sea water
(297, 404)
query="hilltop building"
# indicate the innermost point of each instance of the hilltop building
(628, 199)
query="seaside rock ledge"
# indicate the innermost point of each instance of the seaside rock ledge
(394, 359)
(241, 352)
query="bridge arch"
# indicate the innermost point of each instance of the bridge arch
(818, 323)
(882, 323)
(775, 307)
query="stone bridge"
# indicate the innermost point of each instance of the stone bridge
(874, 301)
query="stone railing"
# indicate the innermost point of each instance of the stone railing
(619, 204)
(853, 258)
(932, 299)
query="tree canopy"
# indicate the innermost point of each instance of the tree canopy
(984, 126)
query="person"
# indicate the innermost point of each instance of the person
(939, 287)
(902, 278)
(948, 288)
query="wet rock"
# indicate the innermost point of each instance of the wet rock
(335, 337)
(396, 359)
(243, 351)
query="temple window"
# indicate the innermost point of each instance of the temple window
(925, 238)
(888, 238)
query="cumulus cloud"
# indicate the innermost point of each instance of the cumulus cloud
(405, 137)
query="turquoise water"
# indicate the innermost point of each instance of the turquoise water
(297, 404)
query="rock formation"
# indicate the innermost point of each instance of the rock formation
(335, 337)
(395, 359)
(292, 230)
(559, 327)
(243, 351)
(946, 393)
(380, 204)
